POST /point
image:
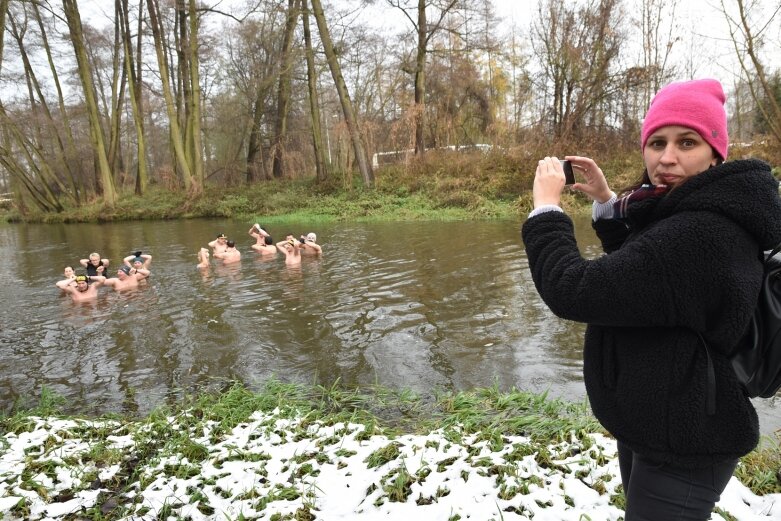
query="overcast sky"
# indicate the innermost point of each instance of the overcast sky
(702, 28)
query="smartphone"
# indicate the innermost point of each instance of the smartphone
(569, 175)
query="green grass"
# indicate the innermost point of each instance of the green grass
(441, 186)
(489, 413)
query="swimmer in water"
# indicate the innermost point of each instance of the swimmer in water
(290, 247)
(69, 275)
(264, 244)
(127, 278)
(81, 290)
(203, 259)
(219, 245)
(309, 244)
(138, 260)
(95, 265)
(231, 255)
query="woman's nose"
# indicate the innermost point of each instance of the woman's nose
(668, 155)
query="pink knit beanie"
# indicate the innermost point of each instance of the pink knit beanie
(697, 104)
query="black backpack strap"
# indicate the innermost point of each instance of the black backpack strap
(710, 400)
(772, 253)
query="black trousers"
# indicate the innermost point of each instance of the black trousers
(657, 492)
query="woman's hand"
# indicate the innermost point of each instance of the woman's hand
(548, 182)
(595, 185)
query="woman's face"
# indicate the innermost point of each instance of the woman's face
(673, 154)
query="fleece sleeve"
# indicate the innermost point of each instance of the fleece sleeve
(676, 273)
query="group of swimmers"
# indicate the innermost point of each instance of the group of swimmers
(135, 267)
(81, 287)
(225, 250)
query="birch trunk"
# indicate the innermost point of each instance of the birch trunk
(344, 97)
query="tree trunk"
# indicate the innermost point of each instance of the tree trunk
(420, 80)
(255, 162)
(314, 105)
(170, 103)
(85, 74)
(69, 154)
(134, 87)
(770, 108)
(283, 90)
(119, 80)
(38, 102)
(194, 123)
(344, 97)
(254, 152)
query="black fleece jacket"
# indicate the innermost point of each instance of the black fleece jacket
(683, 264)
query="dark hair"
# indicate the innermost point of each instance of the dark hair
(269, 240)
(231, 244)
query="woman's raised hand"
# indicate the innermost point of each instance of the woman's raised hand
(595, 185)
(548, 182)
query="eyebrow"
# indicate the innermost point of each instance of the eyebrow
(688, 133)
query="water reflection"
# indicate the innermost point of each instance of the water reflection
(423, 306)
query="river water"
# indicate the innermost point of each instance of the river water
(422, 306)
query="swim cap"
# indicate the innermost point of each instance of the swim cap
(222, 236)
(139, 259)
(126, 269)
(311, 237)
(80, 278)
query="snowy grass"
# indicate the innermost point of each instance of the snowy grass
(293, 452)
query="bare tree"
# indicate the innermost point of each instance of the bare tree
(314, 105)
(578, 48)
(133, 71)
(182, 152)
(748, 36)
(344, 97)
(283, 88)
(85, 75)
(658, 30)
(424, 31)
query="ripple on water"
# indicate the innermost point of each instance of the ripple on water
(417, 305)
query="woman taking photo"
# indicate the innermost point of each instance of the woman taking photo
(682, 269)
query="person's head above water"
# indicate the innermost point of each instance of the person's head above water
(94, 258)
(81, 283)
(311, 236)
(68, 272)
(231, 244)
(123, 272)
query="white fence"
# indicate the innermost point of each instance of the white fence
(396, 156)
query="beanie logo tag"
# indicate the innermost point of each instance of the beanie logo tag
(714, 133)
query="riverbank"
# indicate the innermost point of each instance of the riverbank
(443, 187)
(291, 452)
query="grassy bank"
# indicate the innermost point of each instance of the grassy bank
(445, 186)
(309, 452)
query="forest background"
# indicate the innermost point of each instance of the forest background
(131, 109)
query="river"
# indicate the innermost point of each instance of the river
(424, 306)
